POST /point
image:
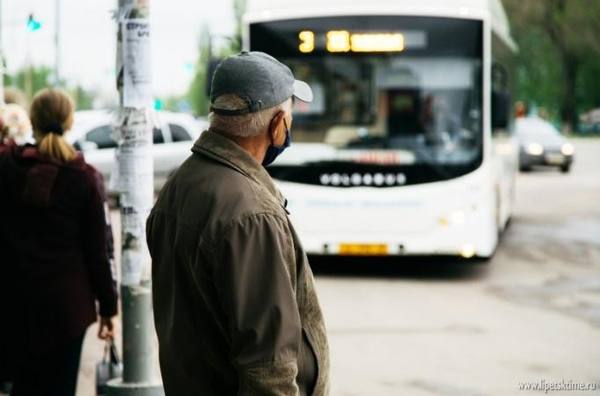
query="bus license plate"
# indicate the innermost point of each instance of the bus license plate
(363, 249)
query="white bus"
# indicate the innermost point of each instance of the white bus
(407, 147)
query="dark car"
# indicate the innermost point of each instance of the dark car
(541, 144)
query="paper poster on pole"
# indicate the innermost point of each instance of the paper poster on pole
(133, 177)
(131, 272)
(135, 257)
(137, 72)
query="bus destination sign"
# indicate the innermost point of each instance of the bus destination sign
(344, 41)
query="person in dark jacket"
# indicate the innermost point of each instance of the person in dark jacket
(55, 246)
(235, 305)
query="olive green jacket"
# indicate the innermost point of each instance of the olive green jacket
(235, 306)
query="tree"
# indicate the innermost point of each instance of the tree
(84, 100)
(25, 83)
(30, 79)
(239, 8)
(197, 92)
(537, 66)
(588, 84)
(571, 28)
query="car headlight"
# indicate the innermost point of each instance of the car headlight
(534, 149)
(567, 149)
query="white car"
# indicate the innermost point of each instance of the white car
(173, 139)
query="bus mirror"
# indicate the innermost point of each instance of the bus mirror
(500, 109)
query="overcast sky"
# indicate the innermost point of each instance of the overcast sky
(88, 38)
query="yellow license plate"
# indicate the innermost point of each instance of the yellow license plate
(363, 249)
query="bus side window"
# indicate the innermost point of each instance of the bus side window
(500, 99)
(500, 110)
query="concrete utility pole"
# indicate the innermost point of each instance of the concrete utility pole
(133, 178)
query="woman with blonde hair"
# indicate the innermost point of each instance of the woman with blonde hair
(56, 246)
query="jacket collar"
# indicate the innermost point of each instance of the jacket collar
(228, 152)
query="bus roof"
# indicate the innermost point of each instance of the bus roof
(267, 10)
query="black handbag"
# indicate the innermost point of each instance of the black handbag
(108, 368)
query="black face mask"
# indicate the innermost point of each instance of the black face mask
(274, 151)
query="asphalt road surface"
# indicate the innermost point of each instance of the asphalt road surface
(433, 326)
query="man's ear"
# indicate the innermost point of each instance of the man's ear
(276, 128)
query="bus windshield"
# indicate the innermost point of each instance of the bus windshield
(397, 100)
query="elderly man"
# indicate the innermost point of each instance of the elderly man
(234, 299)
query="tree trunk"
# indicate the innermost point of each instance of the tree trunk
(569, 100)
(555, 26)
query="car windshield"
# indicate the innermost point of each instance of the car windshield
(533, 127)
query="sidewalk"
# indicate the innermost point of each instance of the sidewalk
(93, 348)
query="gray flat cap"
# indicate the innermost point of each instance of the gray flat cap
(259, 79)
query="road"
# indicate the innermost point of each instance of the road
(434, 326)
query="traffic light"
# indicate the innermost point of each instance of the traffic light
(33, 24)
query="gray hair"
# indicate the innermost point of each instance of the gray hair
(245, 125)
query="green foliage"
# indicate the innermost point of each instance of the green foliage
(29, 79)
(239, 8)
(559, 58)
(84, 100)
(171, 103)
(537, 66)
(197, 92)
(588, 84)
(176, 103)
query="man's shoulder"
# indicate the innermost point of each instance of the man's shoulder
(205, 183)
(210, 196)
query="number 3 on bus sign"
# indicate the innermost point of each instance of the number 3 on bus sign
(307, 41)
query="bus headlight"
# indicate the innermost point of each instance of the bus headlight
(467, 250)
(534, 149)
(567, 149)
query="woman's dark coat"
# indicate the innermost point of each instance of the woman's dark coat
(55, 253)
